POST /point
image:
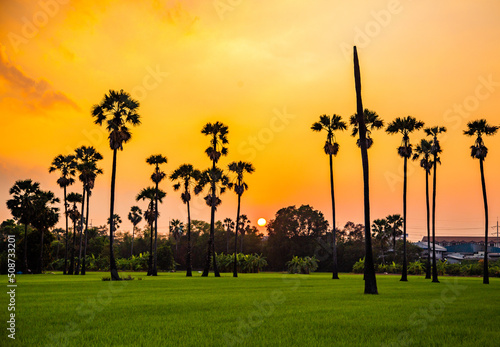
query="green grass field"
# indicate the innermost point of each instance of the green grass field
(267, 309)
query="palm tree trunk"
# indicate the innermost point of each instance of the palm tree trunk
(434, 263)
(72, 260)
(26, 247)
(112, 262)
(369, 273)
(241, 241)
(66, 238)
(155, 256)
(235, 265)
(150, 259)
(428, 267)
(404, 275)
(188, 256)
(41, 253)
(85, 237)
(486, 279)
(335, 273)
(81, 236)
(132, 248)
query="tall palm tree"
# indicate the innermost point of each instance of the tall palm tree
(21, 206)
(381, 233)
(117, 110)
(150, 215)
(218, 139)
(87, 158)
(156, 177)
(176, 229)
(479, 151)
(229, 225)
(67, 166)
(186, 176)
(239, 186)
(360, 125)
(74, 215)
(404, 126)
(435, 150)
(218, 182)
(135, 217)
(394, 224)
(45, 216)
(423, 151)
(331, 148)
(242, 227)
(372, 122)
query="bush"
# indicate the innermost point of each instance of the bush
(303, 265)
(416, 268)
(246, 263)
(359, 266)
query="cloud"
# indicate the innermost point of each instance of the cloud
(31, 94)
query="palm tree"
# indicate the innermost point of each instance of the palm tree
(239, 186)
(74, 215)
(380, 229)
(186, 176)
(21, 206)
(479, 151)
(135, 217)
(67, 166)
(117, 110)
(404, 126)
(394, 224)
(423, 150)
(176, 229)
(116, 222)
(242, 227)
(229, 224)
(370, 279)
(150, 215)
(435, 150)
(45, 216)
(331, 148)
(156, 177)
(218, 139)
(372, 122)
(87, 158)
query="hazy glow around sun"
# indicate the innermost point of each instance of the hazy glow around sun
(261, 222)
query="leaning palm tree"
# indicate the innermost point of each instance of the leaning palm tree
(360, 125)
(186, 176)
(239, 186)
(150, 215)
(87, 158)
(404, 126)
(117, 110)
(423, 151)
(156, 177)
(435, 150)
(67, 166)
(21, 206)
(218, 182)
(218, 139)
(74, 215)
(135, 217)
(331, 148)
(479, 151)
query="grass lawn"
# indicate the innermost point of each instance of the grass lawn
(267, 309)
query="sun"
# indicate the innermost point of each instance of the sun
(261, 222)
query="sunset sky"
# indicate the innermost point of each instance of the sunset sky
(268, 70)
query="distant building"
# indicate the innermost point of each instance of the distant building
(457, 248)
(446, 241)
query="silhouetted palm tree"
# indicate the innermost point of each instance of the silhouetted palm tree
(87, 158)
(404, 126)
(242, 227)
(117, 111)
(394, 223)
(21, 206)
(423, 150)
(176, 230)
(239, 187)
(381, 233)
(135, 217)
(186, 176)
(150, 215)
(435, 150)
(67, 166)
(156, 177)
(370, 279)
(45, 216)
(479, 151)
(218, 139)
(229, 225)
(74, 215)
(330, 125)
(372, 122)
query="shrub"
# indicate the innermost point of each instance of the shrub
(246, 263)
(359, 266)
(303, 265)
(416, 268)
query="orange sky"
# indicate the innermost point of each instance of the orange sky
(267, 70)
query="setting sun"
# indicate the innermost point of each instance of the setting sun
(261, 222)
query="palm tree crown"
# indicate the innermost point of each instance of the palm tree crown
(218, 180)
(423, 151)
(67, 166)
(330, 125)
(372, 121)
(185, 175)
(479, 128)
(239, 168)
(404, 126)
(218, 131)
(157, 160)
(135, 215)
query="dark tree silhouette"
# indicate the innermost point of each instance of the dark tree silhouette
(116, 110)
(67, 166)
(331, 148)
(229, 225)
(74, 215)
(135, 217)
(479, 151)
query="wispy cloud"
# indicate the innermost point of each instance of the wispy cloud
(31, 94)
